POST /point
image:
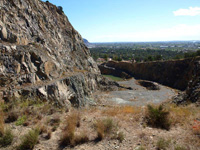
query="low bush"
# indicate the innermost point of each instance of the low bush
(29, 140)
(157, 117)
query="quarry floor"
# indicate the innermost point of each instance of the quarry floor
(139, 95)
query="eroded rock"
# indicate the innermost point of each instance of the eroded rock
(41, 54)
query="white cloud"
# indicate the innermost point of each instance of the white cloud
(192, 11)
(179, 32)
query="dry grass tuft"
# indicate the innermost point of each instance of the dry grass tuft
(162, 144)
(7, 138)
(68, 137)
(81, 138)
(105, 128)
(120, 136)
(1, 122)
(74, 118)
(44, 131)
(12, 116)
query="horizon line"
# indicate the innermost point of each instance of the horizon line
(146, 41)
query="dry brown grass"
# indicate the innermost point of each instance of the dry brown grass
(68, 137)
(11, 116)
(81, 138)
(196, 128)
(124, 113)
(105, 128)
(6, 135)
(74, 118)
(45, 131)
(123, 110)
(183, 115)
(29, 140)
(2, 125)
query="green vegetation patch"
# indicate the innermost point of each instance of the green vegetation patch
(21, 120)
(114, 78)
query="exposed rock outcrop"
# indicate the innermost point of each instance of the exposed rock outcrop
(192, 93)
(149, 85)
(42, 54)
(112, 71)
(173, 73)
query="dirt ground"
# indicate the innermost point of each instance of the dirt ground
(126, 119)
(140, 95)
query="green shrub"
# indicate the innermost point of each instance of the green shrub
(6, 138)
(157, 117)
(29, 140)
(21, 120)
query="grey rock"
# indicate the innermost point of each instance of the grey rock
(41, 54)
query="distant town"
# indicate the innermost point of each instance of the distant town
(143, 51)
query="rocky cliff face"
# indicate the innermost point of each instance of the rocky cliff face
(192, 92)
(41, 54)
(175, 74)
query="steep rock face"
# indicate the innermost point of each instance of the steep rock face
(31, 21)
(192, 93)
(41, 54)
(174, 73)
(112, 71)
(193, 89)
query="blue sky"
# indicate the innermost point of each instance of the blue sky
(134, 20)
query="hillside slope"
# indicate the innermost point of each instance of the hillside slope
(41, 54)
